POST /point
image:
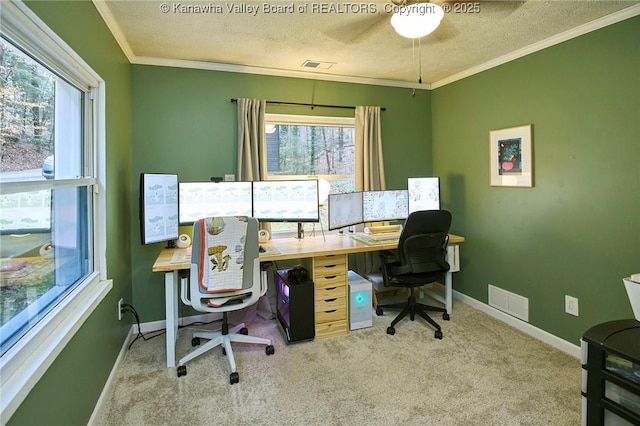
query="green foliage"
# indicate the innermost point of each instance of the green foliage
(315, 150)
(26, 99)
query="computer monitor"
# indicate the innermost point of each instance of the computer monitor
(424, 193)
(210, 199)
(380, 206)
(286, 200)
(158, 207)
(345, 210)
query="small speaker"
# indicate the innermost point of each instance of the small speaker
(360, 303)
(263, 236)
(183, 241)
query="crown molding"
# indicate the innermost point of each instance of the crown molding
(246, 69)
(551, 41)
(115, 29)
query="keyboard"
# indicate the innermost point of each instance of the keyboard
(385, 237)
(370, 241)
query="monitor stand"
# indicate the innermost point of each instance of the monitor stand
(300, 231)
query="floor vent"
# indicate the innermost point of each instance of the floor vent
(508, 302)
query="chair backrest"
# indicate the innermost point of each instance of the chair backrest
(422, 247)
(224, 261)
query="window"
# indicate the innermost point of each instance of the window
(301, 147)
(52, 206)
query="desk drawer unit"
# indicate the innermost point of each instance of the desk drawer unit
(330, 295)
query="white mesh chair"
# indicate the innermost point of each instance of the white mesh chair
(225, 276)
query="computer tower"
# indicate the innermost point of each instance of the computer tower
(360, 303)
(295, 305)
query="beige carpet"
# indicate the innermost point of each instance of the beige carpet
(482, 373)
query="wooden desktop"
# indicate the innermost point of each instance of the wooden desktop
(325, 257)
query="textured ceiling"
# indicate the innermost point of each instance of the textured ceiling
(355, 37)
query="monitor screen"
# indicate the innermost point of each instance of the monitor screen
(385, 205)
(424, 193)
(345, 210)
(286, 200)
(210, 199)
(158, 207)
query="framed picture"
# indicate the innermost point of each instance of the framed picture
(511, 157)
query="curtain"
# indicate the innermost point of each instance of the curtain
(369, 170)
(252, 163)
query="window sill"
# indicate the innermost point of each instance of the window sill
(26, 362)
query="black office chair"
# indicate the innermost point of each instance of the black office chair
(419, 260)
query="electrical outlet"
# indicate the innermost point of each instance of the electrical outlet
(571, 305)
(120, 302)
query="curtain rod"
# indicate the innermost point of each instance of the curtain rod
(308, 105)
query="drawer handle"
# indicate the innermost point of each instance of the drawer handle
(331, 311)
(331, 288)
(331, 300)
(331, 277)
(329, 266)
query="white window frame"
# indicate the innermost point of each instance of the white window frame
(24, 364)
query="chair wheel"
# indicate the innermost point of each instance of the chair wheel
(445, 316)
(224, 351)
(234, 377)
(391, 330)
(244, 330)
(182, 371)
(270, 350)
(438, 334)
(379, 312)
(195, 341)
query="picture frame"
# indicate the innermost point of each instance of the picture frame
(511, 156)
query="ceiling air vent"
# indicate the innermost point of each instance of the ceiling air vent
(317, 64)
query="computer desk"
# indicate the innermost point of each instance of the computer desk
(326, 257)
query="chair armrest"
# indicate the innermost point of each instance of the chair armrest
(387, 262)
(387, 256)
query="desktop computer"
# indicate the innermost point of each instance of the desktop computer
(295, 304)
(360, 303)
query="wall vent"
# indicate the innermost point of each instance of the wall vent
(511, 303)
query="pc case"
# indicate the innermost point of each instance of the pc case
(295, 305)
(360, 303)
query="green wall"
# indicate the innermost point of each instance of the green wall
(577, 231)
(68, 392)
(184, 122)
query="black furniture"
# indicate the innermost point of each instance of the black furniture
(295, 306)
(419, 260)
(611, 373)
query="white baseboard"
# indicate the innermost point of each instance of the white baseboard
(182, 322)
(555, 341)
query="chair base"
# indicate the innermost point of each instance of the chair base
(411, 308)
(223, 337)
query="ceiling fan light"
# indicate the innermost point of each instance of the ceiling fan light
(417, 20)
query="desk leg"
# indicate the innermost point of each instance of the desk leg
(448, 292)
(171, 314)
